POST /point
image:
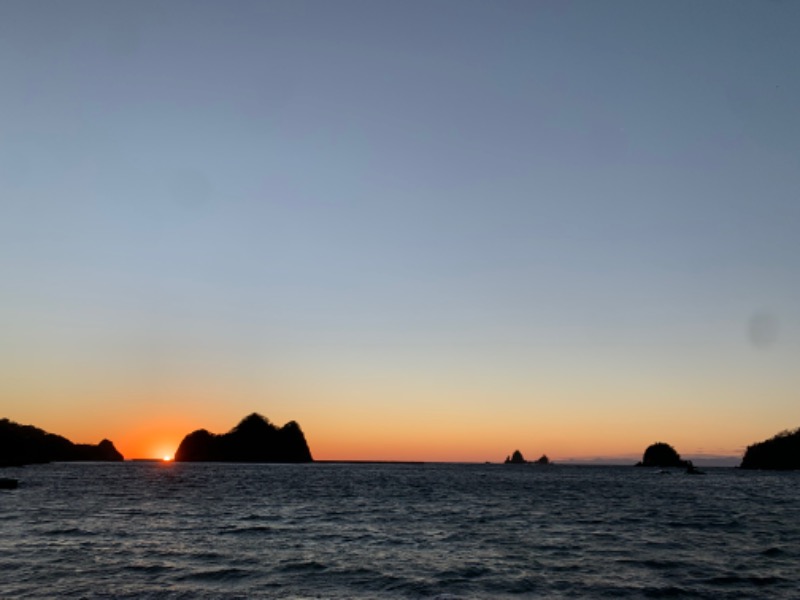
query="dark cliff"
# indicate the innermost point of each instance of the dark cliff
(779, 453)
(26, 444)
(254, 439)
(661, 455)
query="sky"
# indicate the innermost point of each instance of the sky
(423, 230)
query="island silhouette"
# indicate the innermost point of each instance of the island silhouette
(516, 458)
(662, 455)
(779, 453)
(26, 444)
(254, 439)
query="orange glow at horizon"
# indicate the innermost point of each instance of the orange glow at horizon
(428, 429)
(153, 439)
(389, 433)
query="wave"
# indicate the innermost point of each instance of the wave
(68, 531)
(253, 529)
(747, 580)
(306, 566)
(224, 574)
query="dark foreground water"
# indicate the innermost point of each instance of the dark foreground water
(397, 531)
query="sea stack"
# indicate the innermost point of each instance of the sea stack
(516, 459)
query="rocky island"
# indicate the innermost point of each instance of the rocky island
(254, 439)
(662, 455)
(517, 459)
(779, 453)
(26, 444)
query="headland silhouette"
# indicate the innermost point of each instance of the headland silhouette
(26, 444)
(779, 453)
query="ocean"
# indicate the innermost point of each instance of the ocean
(446, 531)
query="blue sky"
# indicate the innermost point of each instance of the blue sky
(506, 208)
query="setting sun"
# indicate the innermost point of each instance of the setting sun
(167, 458)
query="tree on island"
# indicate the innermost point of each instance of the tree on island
(26, 444)
(661, 455)
(254, 439)
(780, 453)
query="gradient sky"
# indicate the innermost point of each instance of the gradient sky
(424, 230)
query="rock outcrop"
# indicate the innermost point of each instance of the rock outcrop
(254, 439)
(779, 453)
(26, 444)
(516, 459)
(661, 455)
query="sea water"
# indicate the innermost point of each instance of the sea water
(397, 531)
